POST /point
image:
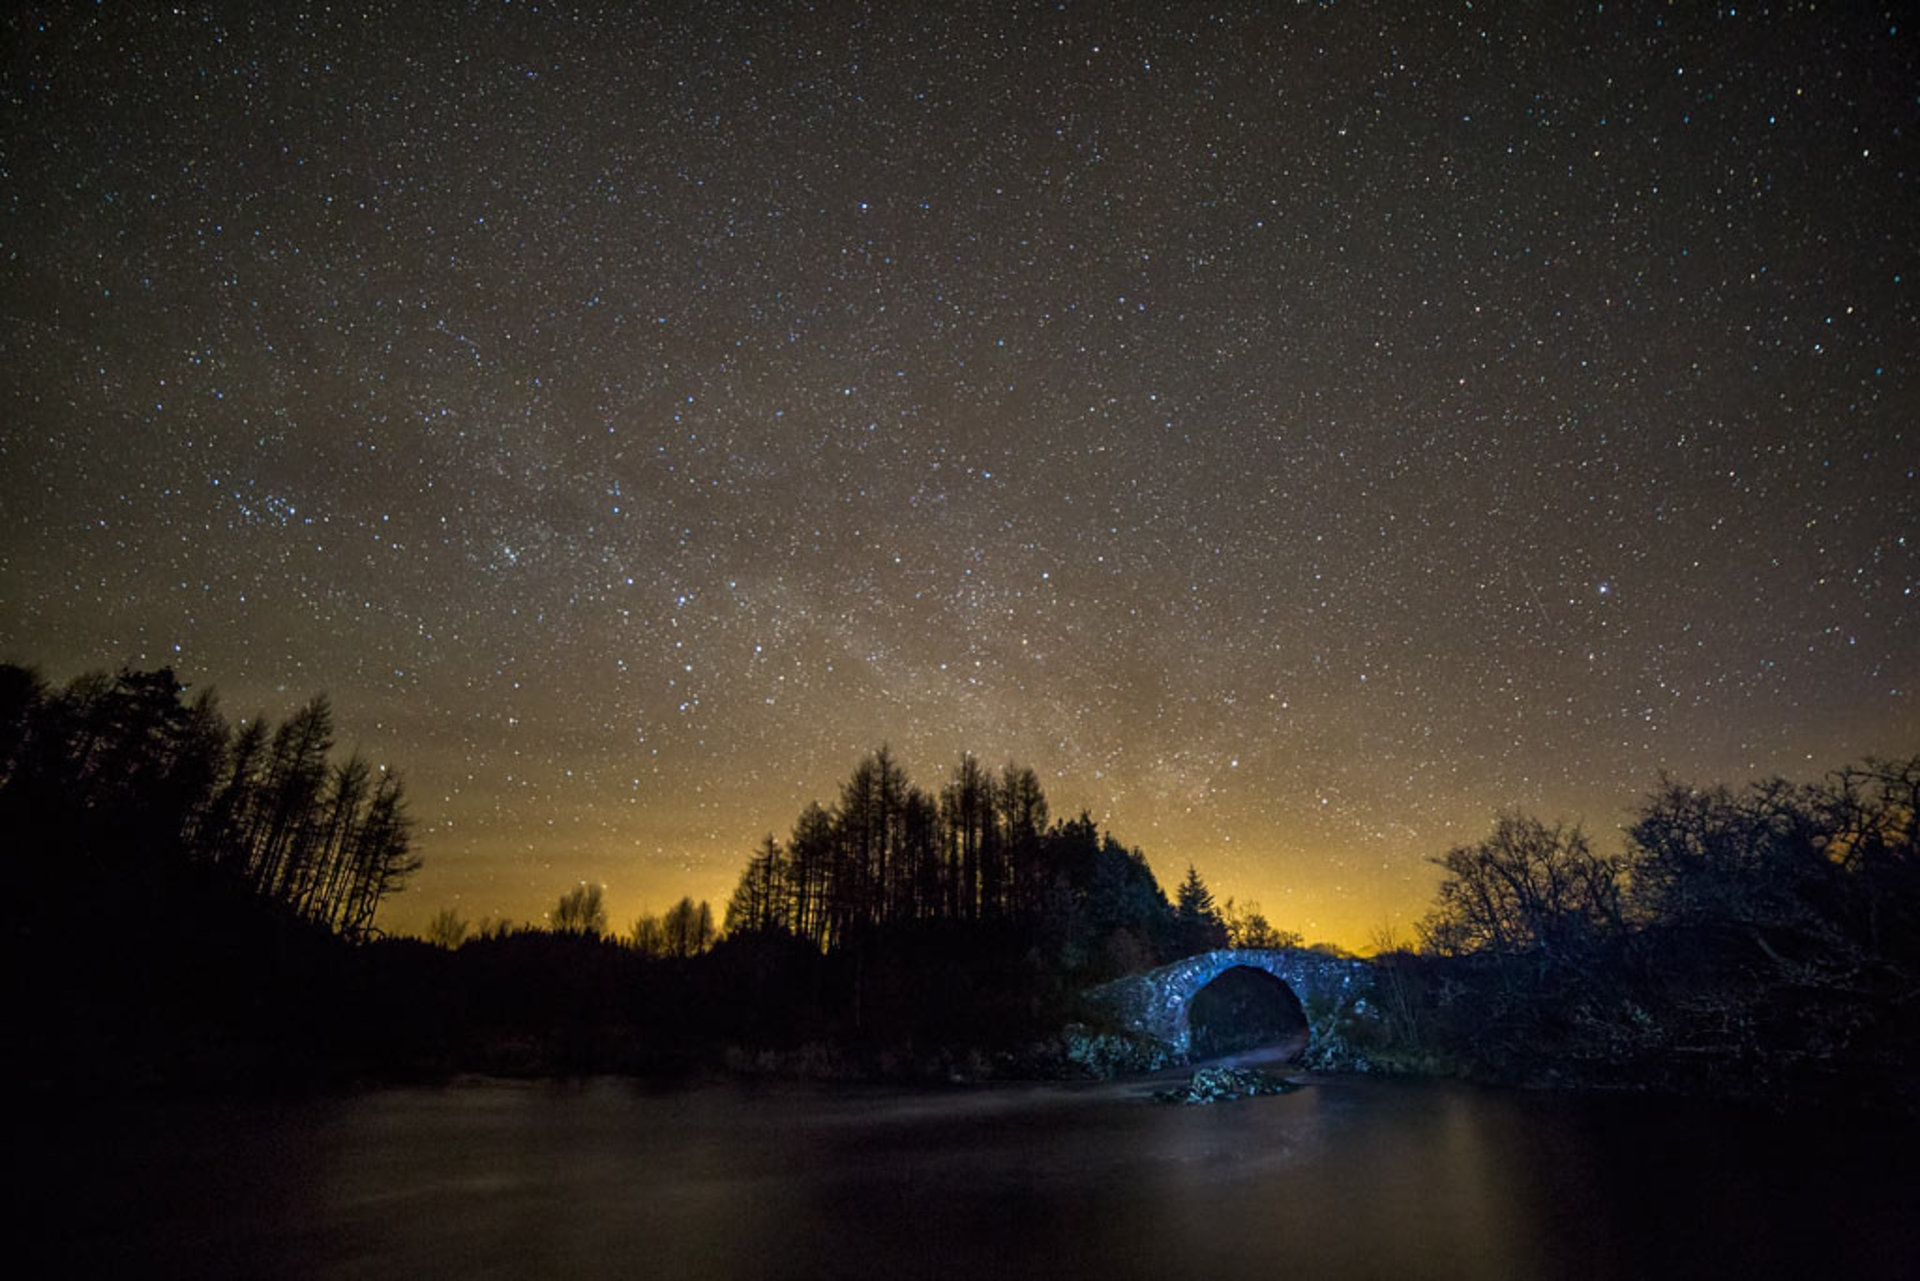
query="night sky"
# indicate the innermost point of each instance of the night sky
(1296, 431)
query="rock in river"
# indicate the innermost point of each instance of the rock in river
(1217, 1084)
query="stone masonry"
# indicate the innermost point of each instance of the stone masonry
(1156, 1003)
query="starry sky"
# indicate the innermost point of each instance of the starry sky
(1297, 431)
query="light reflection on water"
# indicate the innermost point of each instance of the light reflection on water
(1344, 1178)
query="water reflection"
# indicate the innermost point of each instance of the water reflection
(1342, 1179)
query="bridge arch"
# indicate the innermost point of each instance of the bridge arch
(1244, 1007)
(1159, 1003)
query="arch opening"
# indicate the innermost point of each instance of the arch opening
(1246, 1012)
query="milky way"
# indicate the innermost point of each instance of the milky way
(1296, 431)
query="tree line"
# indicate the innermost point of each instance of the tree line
(891, 852)
(1767, 935)
(1740, 940)
(112, 767)
(978, 855)
(684, 930)
(898, 931)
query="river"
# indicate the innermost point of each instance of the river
(605, 1178)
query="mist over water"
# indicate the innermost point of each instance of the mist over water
(603, 1178)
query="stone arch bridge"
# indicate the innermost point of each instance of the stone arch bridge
(1157, 1003)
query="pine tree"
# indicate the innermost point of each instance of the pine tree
(1198, 922)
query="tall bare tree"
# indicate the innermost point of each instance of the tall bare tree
(582, 910)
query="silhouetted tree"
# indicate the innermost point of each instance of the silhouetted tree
(1103, 913)
(967, 810)
(1248, 927)
(648, 936)
(582, 910)
(977, 868)
(1526, 889)
(1023, 816)
(1197, 921)
(1761, 940)
(921, 894)
(688, 928)
(296, 772)
(219, 871)
(762, 901)
(120, 767)
(380, 860)
(810, 859)
(447, 929)
(327, 875)
(1794, 909)
(222, 834)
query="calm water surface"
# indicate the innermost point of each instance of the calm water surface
(1345, 1178)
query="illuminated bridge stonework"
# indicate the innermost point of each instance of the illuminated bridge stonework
(1156, 1003)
